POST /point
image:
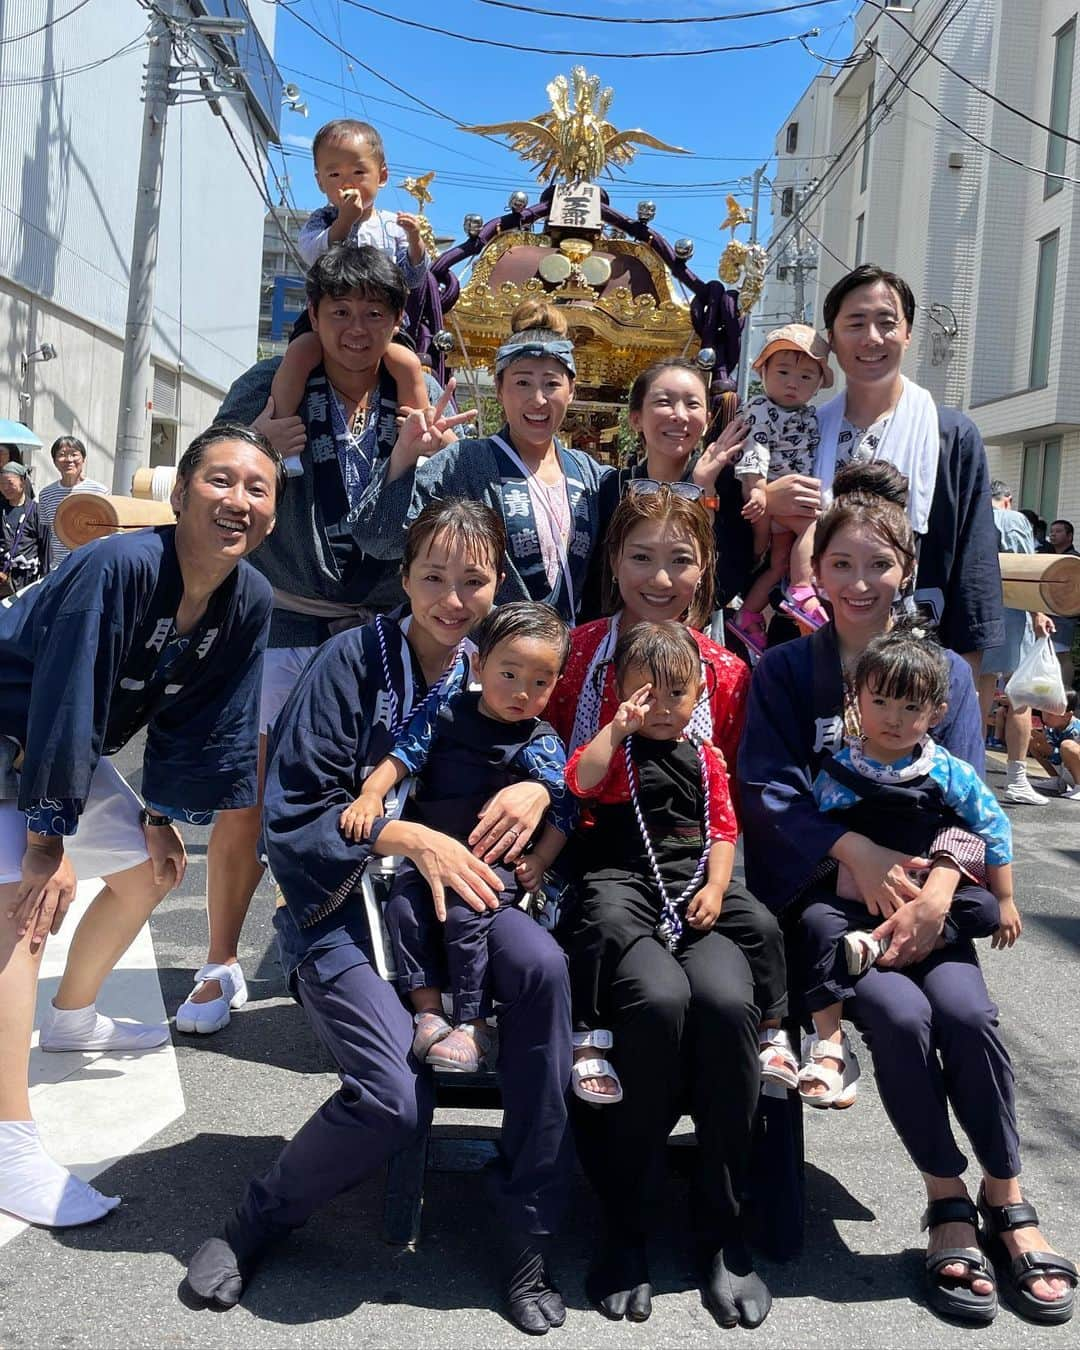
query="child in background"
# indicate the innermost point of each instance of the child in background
(999, 712)
(661, 838)
(350, 167)
(462, 751)
(899, 789)
(1058, 747)
(782, 439)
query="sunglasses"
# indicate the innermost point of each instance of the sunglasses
(690, 492)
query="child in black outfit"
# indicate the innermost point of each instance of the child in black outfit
(663, 824)
(462, 751)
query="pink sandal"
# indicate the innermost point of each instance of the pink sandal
(794, 605)
(748, 625)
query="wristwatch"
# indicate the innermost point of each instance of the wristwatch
(148, 817)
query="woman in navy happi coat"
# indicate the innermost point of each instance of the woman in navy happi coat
(341, 719)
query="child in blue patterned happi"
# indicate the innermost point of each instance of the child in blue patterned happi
(899, 789)
(462, 750)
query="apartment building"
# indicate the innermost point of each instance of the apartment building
(69, 161)
(988, 245)
(283, 298)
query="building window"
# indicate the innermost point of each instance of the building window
(1040, 477)
(864, 172)
(1060, 98)
(792, 143)
(1042, 323)
(860, 228)
(787, 201)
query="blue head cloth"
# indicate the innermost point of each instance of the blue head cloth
(536, 343)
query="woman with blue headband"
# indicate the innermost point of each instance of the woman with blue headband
(546, 493)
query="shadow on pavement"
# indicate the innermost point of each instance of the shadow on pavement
(338, 1262)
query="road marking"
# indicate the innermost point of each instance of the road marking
(93, 1109)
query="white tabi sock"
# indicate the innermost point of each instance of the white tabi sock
(36, 1189)
(1015, 772)
(87, 1029)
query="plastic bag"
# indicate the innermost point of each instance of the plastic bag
(1037, 682)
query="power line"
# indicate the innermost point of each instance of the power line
(23, 81)
(863, 131)
(415, 98)
(308, 75)
(972, 84)
(484, 181)
(558, 51)
(42, 28)
(993, 150)
(691, 18)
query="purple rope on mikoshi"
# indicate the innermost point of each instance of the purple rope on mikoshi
(669, 929)
(399, 719)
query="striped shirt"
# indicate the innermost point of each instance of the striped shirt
(48, 500)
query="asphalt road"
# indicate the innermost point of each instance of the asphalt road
(337, 1284)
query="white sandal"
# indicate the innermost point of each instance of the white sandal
(840, 1088)
(594, 1068)
(861, 950)
(776, 1044)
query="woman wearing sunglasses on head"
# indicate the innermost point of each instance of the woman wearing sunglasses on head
(701, 1031)
(669, 410)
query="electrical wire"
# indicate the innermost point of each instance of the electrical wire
(24, 81)
(559, 51)
(308, 75)
(992, 149)
(692, 18)
(415, 98)
(862, 132)
(260, 187)
(43, 28)
(972, 84)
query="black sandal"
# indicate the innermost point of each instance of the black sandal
(1014, 1272)
(950, 1295)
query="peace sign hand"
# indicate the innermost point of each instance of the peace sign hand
(631, 715)
(427, 430)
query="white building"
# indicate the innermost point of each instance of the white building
(986, 245)
(71, 112)
(283, 296)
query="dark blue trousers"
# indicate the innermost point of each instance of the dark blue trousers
(974, 913)
(432, 955)
(933, 1033)
(386, 1098)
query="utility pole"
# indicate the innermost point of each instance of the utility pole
(803, 260)
(135, 379)
(744, 354)
(162, 88)
(799, 280)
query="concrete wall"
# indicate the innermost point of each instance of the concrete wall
(68, 171)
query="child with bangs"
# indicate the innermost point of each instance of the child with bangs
(463, 749)
(661, 819)
(894, 785)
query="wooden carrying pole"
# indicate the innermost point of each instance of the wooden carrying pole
(1049, 582)
(83, 516)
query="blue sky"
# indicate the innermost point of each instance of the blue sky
(726, 108)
